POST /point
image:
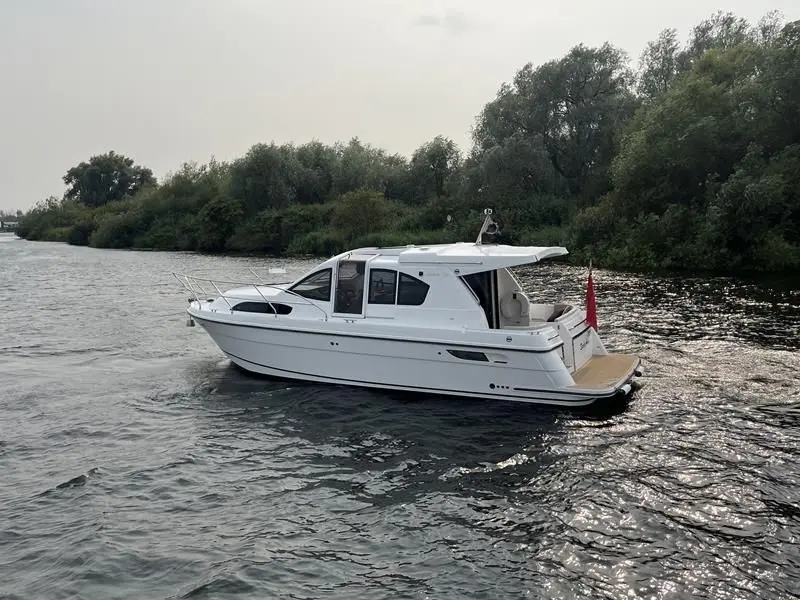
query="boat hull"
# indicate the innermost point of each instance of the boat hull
(456, 369)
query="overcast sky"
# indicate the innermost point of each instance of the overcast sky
(169, 81)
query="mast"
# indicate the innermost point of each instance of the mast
(489, 226)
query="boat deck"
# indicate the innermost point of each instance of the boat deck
(604, 371)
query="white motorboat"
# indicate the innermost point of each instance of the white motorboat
(443, 319)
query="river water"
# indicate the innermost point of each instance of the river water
(137, 463)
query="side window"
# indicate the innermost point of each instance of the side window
(316, 286)
(411, 291)
(263, 307)
(382, 285)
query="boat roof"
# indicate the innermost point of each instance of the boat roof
(468, 257)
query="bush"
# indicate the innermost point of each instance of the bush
(173, 232)
(114, 231)
(56, 234)
(545, 236)
(216, 222)
(275, 231)
(361, 212)
(317, 243)
(80, 233)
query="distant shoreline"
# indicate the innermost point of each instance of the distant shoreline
(650, 170)
(792, 276)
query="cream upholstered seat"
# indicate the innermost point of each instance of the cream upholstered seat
(515, 308)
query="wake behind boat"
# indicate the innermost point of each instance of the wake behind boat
(443, 319)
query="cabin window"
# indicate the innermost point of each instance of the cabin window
(316, 286)
(263, 307)
(382, 286)
(411, 291)
(469, 355)
(350, 287)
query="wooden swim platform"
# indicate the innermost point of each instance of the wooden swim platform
(604, 371)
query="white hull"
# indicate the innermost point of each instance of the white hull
(518, 374)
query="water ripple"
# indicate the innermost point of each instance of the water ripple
(138, 463)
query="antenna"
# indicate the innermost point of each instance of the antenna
(489, 227)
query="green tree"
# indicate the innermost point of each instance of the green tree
(362, 211)
(216, 222)
(706, 175)
(318, 164)
(363, 166)
(572, 108)
(694, 132)
(769, 27)
(433, 166)
(106, 178)
(266, 177)
(659, 65)
(720, 31)
(776, 91)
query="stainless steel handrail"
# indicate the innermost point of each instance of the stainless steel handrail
(192, 284)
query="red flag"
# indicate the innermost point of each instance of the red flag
(591, 307)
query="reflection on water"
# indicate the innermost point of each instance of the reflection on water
(677, 309)
(138, 462)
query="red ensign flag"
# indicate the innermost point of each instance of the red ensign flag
(591, 307)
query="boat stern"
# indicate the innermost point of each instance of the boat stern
(606, 375)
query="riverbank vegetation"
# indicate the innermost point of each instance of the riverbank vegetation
(689, 161)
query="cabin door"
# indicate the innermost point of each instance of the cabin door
(349, 291)
(484, 285)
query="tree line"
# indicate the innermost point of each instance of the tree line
(690, 161)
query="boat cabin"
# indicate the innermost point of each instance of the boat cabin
(461, 284)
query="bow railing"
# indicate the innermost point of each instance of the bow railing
(208, 289)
